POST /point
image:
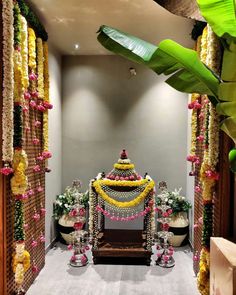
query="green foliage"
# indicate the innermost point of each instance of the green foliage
(17, 139)
(176, 202)
(189, 73)
(65, 202)
(17, 25)
(207, 224)
(221, 17)
(33, 20)
(19, 234)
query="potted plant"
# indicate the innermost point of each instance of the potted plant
(179, 223)
(70, 210)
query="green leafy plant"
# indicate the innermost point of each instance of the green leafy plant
(65, 202)
(189, 74)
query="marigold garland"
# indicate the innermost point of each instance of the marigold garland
(8, 82)
(134, 202)
(123, 166)
(20, 263)
(40, 70)
(46, 97)
(204, 272)
(122, 183)
(18, 85)
(19, 180)
(32, 49)
(24, 53)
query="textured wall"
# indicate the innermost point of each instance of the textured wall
(105, 110)
(53, 179)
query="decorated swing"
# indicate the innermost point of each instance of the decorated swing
(122, 196)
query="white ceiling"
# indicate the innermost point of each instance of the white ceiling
(76, 21)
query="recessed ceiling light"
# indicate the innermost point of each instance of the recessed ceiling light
(76, 46)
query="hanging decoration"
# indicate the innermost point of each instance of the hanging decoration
(8, 81)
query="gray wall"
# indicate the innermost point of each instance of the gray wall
(105, 110)
(53, 179)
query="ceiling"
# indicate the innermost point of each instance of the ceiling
(69, 22)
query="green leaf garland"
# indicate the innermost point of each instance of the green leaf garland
(207, 224)
(17, 26)
(33, 20)
(19, 234)
(17, 139)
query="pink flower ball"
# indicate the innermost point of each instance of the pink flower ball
(35, 94)
(197, 189)
(25, 109)
(195, 258)
(73, 258)
(131, 177)
(33, 104)
(122, 178)
(117, 178)
(6, 170)
(34, 244)
(139, 177)
(127, 178)
(27, 95)
(43, 211)
(41, 108)
(70, 247)
(35, 269)
(47, 105)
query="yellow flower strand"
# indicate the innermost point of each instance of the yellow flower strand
(128, 204)
(46, 97)
(19, 181)
(18, 85)
(32, 49)
(203, 274)
(123, 166)
(24, 52)
(40, 68)
(122, 183)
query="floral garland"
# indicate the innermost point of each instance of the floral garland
(19, 180)
(18, 85)
(32, 49)
(40, 64)
(123, 166)
(109, 182)
(204, 272)
(17, 26)
(132, 203)
(24, 53)
(46, 97)
(8, 82)
(21, 263)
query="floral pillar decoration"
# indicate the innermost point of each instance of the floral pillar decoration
(205, 132)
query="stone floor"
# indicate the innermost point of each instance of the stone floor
(58, 277)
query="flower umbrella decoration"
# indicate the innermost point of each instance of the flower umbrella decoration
(189, 74)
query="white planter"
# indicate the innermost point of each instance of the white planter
(179, 225)
(66, 224)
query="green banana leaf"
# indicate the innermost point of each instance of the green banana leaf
(220, 14)
(189, 73)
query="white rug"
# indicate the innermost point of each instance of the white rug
(59, 278)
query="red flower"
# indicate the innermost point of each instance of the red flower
(6, 170)
(78, 225)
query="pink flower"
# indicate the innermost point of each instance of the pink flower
(40, 158)
(131, 177)
(73, 258)
(84, 259)
(34, 244)
(6, 170)
(25, 109)
(42, 239)
(35, 269)
(35, 94)
(27, 128)
(195, 258)
(39, 189)
(33, 104)
(78, 225)
(197, 189)
(82, 211)
(47, 105)
(30, 192)
(117, 178)
(36, 168)
(200, 138)
(212, 175)
(27, 95)
(41, 108)
(70, 247)
(190, 106)
(37, 123)
(36, 217)
(166, 258)
(43, 211)
(87, 247)
(73, 212)
(170, 211)
(47, 154)
(139, 177)
(32, 77)
(36, 141)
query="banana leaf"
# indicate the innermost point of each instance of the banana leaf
(189, 73)
(220, 14)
